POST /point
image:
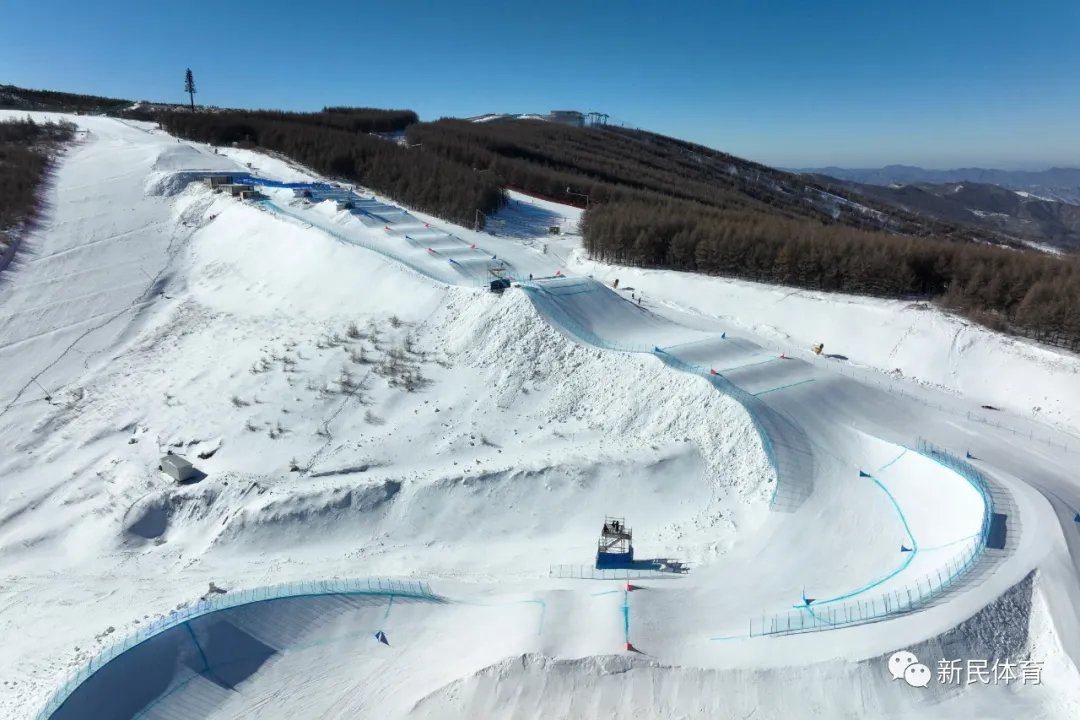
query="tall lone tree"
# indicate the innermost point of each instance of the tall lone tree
(189, 87)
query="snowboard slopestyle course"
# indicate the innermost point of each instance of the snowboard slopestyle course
(872, 520)
(593, 314)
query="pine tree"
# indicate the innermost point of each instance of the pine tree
(189, 87)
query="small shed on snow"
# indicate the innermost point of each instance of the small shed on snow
(177, 468)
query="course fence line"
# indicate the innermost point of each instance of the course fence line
(590, 572)
(563, 321)
(792, 463)
(872, 377)
(751, 404)
(794, 476)
(827, 615)
(368, 586)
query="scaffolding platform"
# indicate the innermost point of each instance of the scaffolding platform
(615, 549)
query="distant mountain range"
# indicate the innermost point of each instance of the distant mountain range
(1061, 184)
(1027, 215)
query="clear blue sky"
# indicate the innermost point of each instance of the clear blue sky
(785, 82)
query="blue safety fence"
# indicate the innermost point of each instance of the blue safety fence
(969, 473)
(369, 586)
(864, 606)
(591, 572)
(562, 321)
(249, 179)
(784, 442)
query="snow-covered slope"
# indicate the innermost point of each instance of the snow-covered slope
(903, 340)
(357, 414)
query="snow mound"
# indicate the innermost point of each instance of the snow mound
(1013, 628)
(633, 397)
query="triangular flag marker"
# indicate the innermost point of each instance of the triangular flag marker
(904, 548)
(381, 637)
(863, 474)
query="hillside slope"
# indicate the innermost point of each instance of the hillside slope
(1059, 184)
(1019, 214)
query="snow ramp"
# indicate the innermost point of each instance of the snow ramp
(592, 313)
(319, 649)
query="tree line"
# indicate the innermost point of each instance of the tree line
(330, 143)
(27, 99)
(26, 150)
(663, 203)
(610, 163)
(1024, 292)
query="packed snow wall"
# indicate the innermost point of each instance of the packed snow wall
(212, 646)
(591, 313)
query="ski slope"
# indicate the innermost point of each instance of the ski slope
(365, 409)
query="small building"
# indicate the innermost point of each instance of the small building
(214, 181)
(178, 468)
(236, 189)
(248, 194)
(567, 117)
(616, 546)
(499, 284)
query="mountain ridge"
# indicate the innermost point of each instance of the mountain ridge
(1061, 184)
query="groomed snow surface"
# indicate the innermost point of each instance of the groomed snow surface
(360, 409)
